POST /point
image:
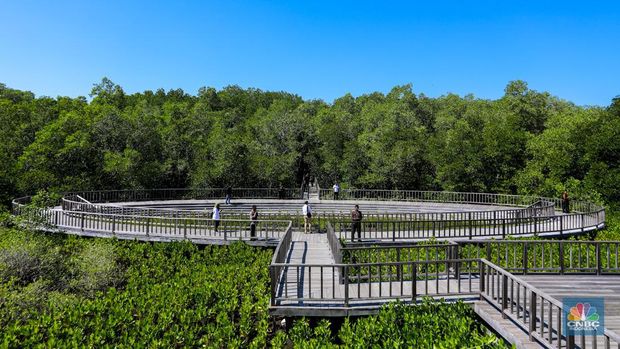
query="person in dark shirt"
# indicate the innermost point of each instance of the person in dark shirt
(565, 202)
(253, 222)
(228, 195)
(356, 223)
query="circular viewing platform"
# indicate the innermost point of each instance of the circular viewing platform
(176, 214)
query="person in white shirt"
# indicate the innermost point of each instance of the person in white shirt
(307, 212)
(336, 190)
(216, 216)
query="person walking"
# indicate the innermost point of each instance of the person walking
(336, 191)
(356, 223)
(228, 195)
(307, 212)
(565, 202)
(253, 222)
(216, 216)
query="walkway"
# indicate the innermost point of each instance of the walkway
(526, 309)
(310, 276)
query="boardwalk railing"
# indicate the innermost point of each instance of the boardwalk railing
(176, 228)
(538, 313)
(453, 197)
(535, 215)
(130, 195)
(364, 282)
(516, 256)
(280, 257)
(365, 275)
(397, 225)
(447, 228)
(334, 243)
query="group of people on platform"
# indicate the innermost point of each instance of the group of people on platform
(306, 210)
(356, 220)
(216, 216)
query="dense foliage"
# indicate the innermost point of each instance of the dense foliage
(431, 324)
(526, 141)
(58, 291)
(63, 291)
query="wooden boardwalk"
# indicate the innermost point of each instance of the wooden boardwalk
(313, 286)
(309, 276)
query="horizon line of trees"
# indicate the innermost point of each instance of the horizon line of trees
(525, 142)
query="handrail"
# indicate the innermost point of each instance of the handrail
(81, 198)
(468, 228)
(100, 196)
(377, 194)
(534, 310)
(149, 227)
(453, 197)
(283, 246)
(334, 243)
(527, 309)
(279, 256)
(516, 256)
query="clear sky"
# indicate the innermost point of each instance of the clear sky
(317, 49)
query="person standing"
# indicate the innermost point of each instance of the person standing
(307, 212)
(336, 191)
(253, 222)
(565, 202)
(216, 216)
(356, 223)
(228, 195)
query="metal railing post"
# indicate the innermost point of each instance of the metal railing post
(525, 261)
(504, 295)
(482, 277)
(346, 285)
(561, 257)
(532, 314)
(274, 281)
(598, 258)
(414, 282)
(393, 231)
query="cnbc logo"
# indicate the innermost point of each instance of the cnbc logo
(583, 316)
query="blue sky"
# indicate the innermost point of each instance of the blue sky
(317, 49)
